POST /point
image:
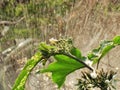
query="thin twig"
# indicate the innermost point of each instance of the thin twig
(11, 22)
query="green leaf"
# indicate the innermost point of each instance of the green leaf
(46, 49)
(101, 51)
(106, 48)
(21, 79)
(116, 40)
(76, 52)
(63, 66)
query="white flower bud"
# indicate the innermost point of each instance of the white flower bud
(117, 68)
(107, 81)
(89, 85)
(53, 41)
(93, 74)
(114, 76)
(88, 62)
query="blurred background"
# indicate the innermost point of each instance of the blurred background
(26, 23)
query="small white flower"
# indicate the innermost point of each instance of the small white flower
(53, 41)
(89, 63)
(90, 85)
(93, 74)
(114, 76)
(107, 81)
(117, 68)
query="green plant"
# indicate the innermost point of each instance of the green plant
(68, 59)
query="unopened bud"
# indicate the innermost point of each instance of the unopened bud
(53, 41)
(93, 74)
(88, 62)
(107, 81)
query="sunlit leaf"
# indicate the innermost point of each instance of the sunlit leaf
(101, 51)
(116, 40)
(76, 52)
(63, 66)
(21, 79)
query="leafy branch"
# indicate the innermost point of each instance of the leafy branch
(67, 60)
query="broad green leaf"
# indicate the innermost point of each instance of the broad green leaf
(116, 40)
(63, 66)
(76, 52)
(101, 51)
(21, 79)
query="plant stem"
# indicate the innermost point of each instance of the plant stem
(79, 60)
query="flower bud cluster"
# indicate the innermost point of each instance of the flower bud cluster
(103, 80)
(61, 46)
